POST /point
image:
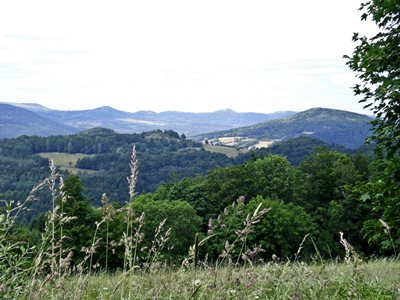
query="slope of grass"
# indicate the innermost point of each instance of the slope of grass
(67, 161)
(228, 151)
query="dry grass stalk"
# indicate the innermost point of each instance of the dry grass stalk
(132, 179)
(350, 253)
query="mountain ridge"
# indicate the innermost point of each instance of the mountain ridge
(16, 121)
(187, 123)
(329, 125)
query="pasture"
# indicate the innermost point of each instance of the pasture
(67, 161)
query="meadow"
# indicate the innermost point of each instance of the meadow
(67, 161)
(231, 152)
(377, 279)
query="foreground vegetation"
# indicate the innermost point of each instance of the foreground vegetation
(286, 280)
(259, 248)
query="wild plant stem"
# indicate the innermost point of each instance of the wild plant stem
(126, 250)
(131, 261)
(61, 236)
(92, 248)
(241, 249)
(107, 232)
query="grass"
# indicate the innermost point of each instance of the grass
(368, 280)
(228, 151)
(67, 161)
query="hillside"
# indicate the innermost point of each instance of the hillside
(17, 121)
(296, 149)
(126, 122)
(101, 158)
(329, 125)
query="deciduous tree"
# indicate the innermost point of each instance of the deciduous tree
(376, 60)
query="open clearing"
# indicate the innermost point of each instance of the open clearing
(67, 161)
(228, 151)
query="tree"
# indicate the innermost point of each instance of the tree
(80, 230)
(179, 216)
(376, 60)
(327, 195)
(325, 174)
(382, 193)
(280, 231)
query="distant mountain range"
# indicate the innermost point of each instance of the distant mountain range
(18, 119)
(329, 125)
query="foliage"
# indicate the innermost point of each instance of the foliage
(382, 194)
(326, 174)
(163, 157)
(376, 60)
(79, 231)
(180, 218)
(295, 150)
(293, 213)
(271, 176)
(15, 254)
(279, 232)
(327, 194)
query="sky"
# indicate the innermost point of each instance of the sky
(185, 55)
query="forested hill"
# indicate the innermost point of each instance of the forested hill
(101, 157)
(296, 149)
(329, 125)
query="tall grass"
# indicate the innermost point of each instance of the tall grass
(286, 280)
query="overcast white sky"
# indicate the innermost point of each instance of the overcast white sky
(185, 55)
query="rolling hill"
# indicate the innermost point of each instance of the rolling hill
(101, 158)
(16, 121)
(183, 122)
(329, 125)
(126, 122)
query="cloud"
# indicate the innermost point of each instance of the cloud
(62, 52)
(178, 55)
(23, 37)
(12, 71)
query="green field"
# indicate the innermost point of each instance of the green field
(376, 280)
(67, 161)
(228, 151)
